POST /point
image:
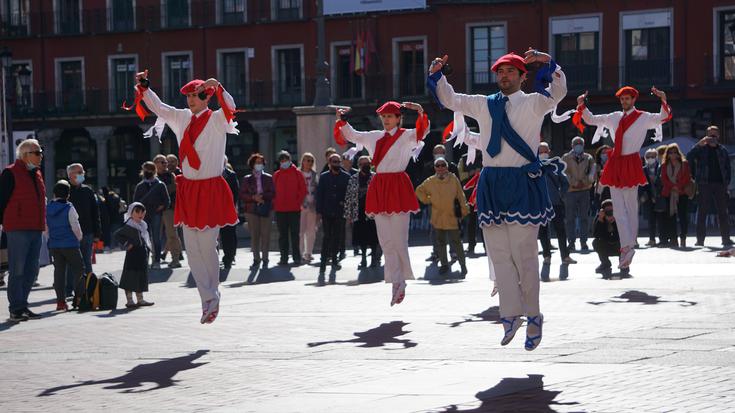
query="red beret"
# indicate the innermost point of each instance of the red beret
(510, 59)
(192, 86)
(390, 107)
(627, 90)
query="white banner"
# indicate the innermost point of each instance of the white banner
(362, 6)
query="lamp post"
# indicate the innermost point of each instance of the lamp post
(323, 95)
(6, 60)
(24, 78)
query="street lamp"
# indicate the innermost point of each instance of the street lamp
(24, 78)
(6, 60)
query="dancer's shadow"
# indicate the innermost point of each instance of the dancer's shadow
(116, 312)
(635, 296)
(514, 395)
(161, 275)
(386, 333)
(491, 315)
(161, 373)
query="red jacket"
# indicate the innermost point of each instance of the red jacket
(26, 209)
(290, 190)
(681, 181)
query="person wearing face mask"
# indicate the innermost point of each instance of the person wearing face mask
(152, 193)
(330, 203)
(581, 174)
(558, 184)
(607, 240)
(676, 179)
(364, 232)
(710, 167)
(23, 219)
(390, 198)
(622, 171)
(256, 197)
(650, 194)
(448, 206)
(290, 191)
(600, 191)
(85, 202)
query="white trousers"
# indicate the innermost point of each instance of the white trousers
(512, 252)
(625, 211)
(201, 252)
(307, 232)
(393, 238)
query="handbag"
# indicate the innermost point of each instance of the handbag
(690, 189)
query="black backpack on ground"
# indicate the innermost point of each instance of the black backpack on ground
(108, 289)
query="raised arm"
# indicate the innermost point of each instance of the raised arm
(343, 131)
(471, 105)
(663, 115)
(168, 113)
(594, 120)
(550, 73)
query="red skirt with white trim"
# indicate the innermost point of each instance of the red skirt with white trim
(390, 193)
(204, 203)
(623, 171)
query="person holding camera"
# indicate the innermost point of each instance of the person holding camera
(607, 240)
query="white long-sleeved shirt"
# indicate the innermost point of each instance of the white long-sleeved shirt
(210, 145)
(525, 111)
(397, 157)
(635, 135)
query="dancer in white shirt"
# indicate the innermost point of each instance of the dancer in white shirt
(203, 199)
(512, 197)
(390, 197)
(623, 172)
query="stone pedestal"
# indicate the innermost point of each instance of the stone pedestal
(47, 138)
(264, 129)
(314, 129)
(101, 135)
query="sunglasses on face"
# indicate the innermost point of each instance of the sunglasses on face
(440, 165)
(37, 153)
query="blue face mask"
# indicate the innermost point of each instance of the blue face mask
(79, 179)
(578, 149)
(259, 167)
(603, 157)
(285, 164)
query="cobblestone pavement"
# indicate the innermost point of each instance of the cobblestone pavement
(662, 340)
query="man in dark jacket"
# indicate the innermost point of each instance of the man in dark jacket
(23, 218)
(710, 166)
(558, 186)
(152, 193)
(228, 235)
(170, 241)
(330, 204)
(85, 202)
(607, 241)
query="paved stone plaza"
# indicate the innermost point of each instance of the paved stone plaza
(662, 340)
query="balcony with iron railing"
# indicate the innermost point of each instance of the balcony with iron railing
(126, 18)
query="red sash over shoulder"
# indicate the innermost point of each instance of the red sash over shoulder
(623, 171)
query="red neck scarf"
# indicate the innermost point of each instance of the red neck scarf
(623, 125)
(192, 132)
(384, 144)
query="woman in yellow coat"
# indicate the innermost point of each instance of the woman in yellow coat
(448, 206)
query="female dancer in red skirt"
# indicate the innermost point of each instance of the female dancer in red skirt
(390, 197)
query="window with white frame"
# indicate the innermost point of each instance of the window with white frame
(487, 44)
(411, 68)
(67, 16)
(647, 50)
(175, 13)
(15, 17)
(576, 46)
(348, 84)
(121, 15)
(233, 74)
(725, 56)
(289, 86)
(178, 73)
(232, 11)
(122, 79)
(70, 84)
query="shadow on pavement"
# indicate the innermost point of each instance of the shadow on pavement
(161, 373)
(369, 275)
(263, 276)
(514, 395)
(386, 333)
(635, 296)
(491, 315)
(154, 276)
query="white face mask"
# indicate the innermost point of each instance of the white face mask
(543, 156)
(650, 161)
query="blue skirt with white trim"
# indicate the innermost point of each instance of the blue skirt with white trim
(510, 195)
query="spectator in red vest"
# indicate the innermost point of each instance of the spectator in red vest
(290, 192)
(23, 217)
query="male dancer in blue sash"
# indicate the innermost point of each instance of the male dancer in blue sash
(512, 198)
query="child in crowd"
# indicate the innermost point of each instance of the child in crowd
(133, 237)
(64, 234)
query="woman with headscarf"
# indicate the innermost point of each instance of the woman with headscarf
(134, 239)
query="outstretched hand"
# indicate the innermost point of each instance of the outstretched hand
(413, 106)
(209, 83)
(140, 76)
(437, 64)
(341, 112)
(532, 56)
(581, 98)
(659, 93)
